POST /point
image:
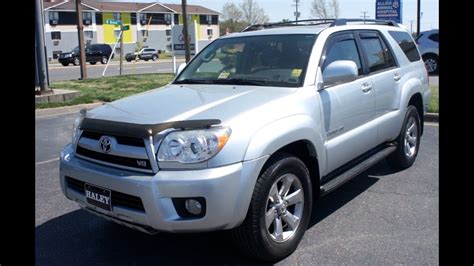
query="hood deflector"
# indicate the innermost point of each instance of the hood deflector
(142, 130)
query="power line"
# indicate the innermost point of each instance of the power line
(365, 16)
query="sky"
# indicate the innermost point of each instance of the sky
(277, 10)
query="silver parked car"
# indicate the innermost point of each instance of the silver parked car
(428, 44)
(252, 131)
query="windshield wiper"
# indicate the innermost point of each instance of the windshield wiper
(194, 81)
(232, 81)
(235, 81)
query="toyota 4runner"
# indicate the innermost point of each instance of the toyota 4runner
(252, 131)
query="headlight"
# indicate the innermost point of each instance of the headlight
(193, 146)
(76, 126)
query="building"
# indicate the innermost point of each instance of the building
(150, 24)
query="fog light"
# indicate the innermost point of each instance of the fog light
(193, 206)
(190, 208)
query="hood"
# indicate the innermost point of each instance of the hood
(188, 102)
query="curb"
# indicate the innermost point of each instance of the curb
(432, 117)
(65, 109)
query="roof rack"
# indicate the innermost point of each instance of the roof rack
(305, 22)
(312, 22)
(343, 21)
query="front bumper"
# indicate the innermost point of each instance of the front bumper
(227, 191)
(66, 60)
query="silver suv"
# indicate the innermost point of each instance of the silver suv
(252, 131)
(428, 44)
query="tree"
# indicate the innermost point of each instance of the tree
(325, 9)
(252, 13)
(232, 16)
(231, 12)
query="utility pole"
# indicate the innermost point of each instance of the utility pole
(121, 46)
(297, 14)
(40, 49)
(364, 16)
(418, 18)
(185, 31)
(80, 27)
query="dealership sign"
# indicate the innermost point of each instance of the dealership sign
(388, 10)
(178, 38)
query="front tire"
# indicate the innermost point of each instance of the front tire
(279, 210)
(408, 141)
(154, 58)
(93, 63)
(65, 64)
(431, 63)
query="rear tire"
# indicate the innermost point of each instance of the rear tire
(104, 60)
(65, 64)
(262, 234)
(93, 63)
(154, 58)
(408, 141)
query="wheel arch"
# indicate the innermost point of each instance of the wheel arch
(417, 101)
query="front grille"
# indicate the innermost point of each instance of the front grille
(138, 142)
(114, 159)
(118, 198)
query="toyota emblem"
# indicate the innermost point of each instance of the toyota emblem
(105, 144)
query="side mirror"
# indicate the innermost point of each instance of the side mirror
(180, 68)
(340, 71)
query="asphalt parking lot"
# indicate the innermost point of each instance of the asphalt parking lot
(380, 217)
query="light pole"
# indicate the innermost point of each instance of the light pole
(40, 49)
(82, 54)
(185, 31)
(418, 17)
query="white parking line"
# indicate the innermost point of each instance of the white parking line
(47, 161)
(131, 68)
(431, 124)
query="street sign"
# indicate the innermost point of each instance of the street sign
(127, 27)
(112, 21)
(389, 10)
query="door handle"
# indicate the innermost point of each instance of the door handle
(397, 77)
(366, 87)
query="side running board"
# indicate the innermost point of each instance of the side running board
(356, 170)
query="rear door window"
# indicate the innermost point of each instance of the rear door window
(379, 57)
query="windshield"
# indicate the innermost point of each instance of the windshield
(268, 60)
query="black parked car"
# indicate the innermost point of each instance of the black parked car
(94, 53)
(144, 54)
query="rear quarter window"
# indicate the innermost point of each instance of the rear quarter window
(434, 37)
(406, 43)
